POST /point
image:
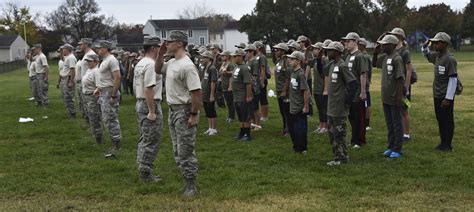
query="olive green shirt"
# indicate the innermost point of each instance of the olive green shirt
(357, 64)
(255, 74)
(298, 84)
(210, 76)
(320, 75)
(445, 67)
(240, 79)
(392, 71)
(225, 77)
(339, 78)
(405, 54)
(281, 75)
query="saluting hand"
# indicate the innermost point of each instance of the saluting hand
(162, 51)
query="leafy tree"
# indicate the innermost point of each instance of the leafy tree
(467, 26)
(15, 20)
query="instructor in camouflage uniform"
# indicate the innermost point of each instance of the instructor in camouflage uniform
(147, 86)
(183, 93)
(89, 84)
(67, 75)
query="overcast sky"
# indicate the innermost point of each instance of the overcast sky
(138, 11)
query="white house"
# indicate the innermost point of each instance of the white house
(233, 37)
(196, 29)
(12, 47)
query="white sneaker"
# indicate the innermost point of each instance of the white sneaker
(207, 131)
(255, 126)
(213, 132)
(368, 128)
(356, 146)
(323, 131)
(317, 130)
(263, 118)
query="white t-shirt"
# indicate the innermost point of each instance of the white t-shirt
(181, 78)
(41, 62)
(69, 63)
(90, 80)
(109, 64)
(32, 69)
(84, 62)
(145, 76)
(78, 70)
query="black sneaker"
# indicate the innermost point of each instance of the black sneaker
(444, 149)
(245, 138)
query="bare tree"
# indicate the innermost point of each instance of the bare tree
(200, 9)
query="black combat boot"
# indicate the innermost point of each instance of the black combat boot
(190, 188)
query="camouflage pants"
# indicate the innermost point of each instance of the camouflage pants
(80, 97)
(337, 135)
(93, 113)
(184, 141)
(34, 87)
(150, 135)
(42, 86)
(68, 95)
(110, 116)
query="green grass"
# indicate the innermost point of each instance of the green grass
(51, 164)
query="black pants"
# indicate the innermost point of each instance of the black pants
(284, 106)
(357, 120)
(130, 87)
(310, 86)
(393, 119)
(298, 127)
(229, 99)
(445, 118)
(322, 105)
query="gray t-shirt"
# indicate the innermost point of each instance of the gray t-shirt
(41, 61)
(90, 81)
(69, 63)
(181, 78)
(145, 77)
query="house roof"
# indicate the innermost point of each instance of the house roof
(7, 40)
(178, 24)
(232, 25)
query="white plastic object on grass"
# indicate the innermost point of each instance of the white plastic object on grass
(271, 93)
(24, 120)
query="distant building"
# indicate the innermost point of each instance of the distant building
(12, 47)
(233, 37)
(197, 30)
(217, 38)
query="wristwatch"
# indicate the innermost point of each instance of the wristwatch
(193, 114)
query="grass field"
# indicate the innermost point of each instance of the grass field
(51, 164)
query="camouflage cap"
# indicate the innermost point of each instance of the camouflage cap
(207, 54)
(176, 35)
(91, 57)
(297, 55)
(335, 46)
(38, 45)
(281, 46)
(250, 47)
(327, 42)
(85, 41)
(351, 36)
(295, 45)
(241, 46)
(151, 40)
(302, 38)
(363, 42)
(104, 44)
(398, 31)
(258, 44)
(389, 39)
(68, 47)
(318, 45)
(238, 52)
(441, 36)
(225, 53)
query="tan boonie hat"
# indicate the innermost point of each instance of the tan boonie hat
(151, 40)
(363, 42)
(225, 53)
(38, 45)
(104, 44)
(335, 46)
(207, 54)
(351, 36)
(258, 44)
(318, 45)
(85, 41)
(91, 57)
(389, 39)
(441, 36)
(238, 52)
(133, 54)
(250, 47)
(301, 38)
(176, 35)
(398, 31)
(281, 46)
(290, 41)
(241, 46)
(297, 55)
(327, 42)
